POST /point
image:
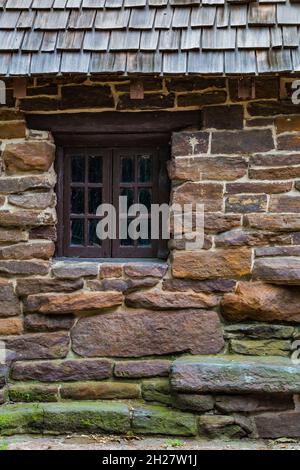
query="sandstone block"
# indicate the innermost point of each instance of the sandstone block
(90, 417)
(206, 168)
(32, 393)
(13, 235)
(285, 204)
(100, 391)
(226, 264)
(273, 222)
(182, 285)
(259, 331)
(23, 251)
(144, 333)
(202, 99)
(141, 270)
(140, 369)
(158, 300)
(156, 390)
(254, 187)
(29, 156)
(276, 425)
(11, 326)
(10, 185)
(279, 270)
(208, 194)
(9, 303)
(25, 218)
(222, 427)
(235, 374)
(223, 117)
(75, 270)
(244, 204)
(92, 302)
(254, 403)
(38, 346)
(12, 130)
(38, 323)
(199, 403)
(33, 200)
(264, 347)
(41, 285)
(241, 142)
(189, 143)
(28, 268)
(68, 370)
(160, 420)
(262, 302)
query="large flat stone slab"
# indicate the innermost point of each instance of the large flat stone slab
(146, 333)
(235, 374)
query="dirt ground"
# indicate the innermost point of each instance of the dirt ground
(117, 443)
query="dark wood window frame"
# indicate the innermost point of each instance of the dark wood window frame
(146, 128)
(120, 144)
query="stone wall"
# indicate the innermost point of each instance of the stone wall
(198, 345)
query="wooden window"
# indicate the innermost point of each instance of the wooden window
(91, 176)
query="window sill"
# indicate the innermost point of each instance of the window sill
(111, 260)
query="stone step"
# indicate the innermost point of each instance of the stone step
(95, 417)
(235, 374)
(278, 270)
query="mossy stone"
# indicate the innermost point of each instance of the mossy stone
(96, 416)
(215, 426)
(261, 347)
(162, 421)
(157, 390)
(19, 419)
(33, 393)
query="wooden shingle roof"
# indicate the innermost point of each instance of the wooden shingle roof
(149, 36)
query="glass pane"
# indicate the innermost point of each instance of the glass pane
(93, 239)
(77, 232)
(95, 169)
(146, 242)
(145, 197)
(78, 169)
(77, 201)
(144, 168)
(127, 169)
(127, 241)
(129, 193)
(95, 199)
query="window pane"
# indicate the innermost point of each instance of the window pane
(127, 169)
(129, 193)
(145, 197)
(77, 201)
(95, 199)
(95, 169)
(77, 232)
(78, 169)
(93, 239)
(144, 168)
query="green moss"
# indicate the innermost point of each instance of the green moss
(18, 419)
(87, 416)
(157, 390)
(31, 393)
(160, 420)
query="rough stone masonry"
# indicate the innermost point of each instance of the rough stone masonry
(199, 345)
